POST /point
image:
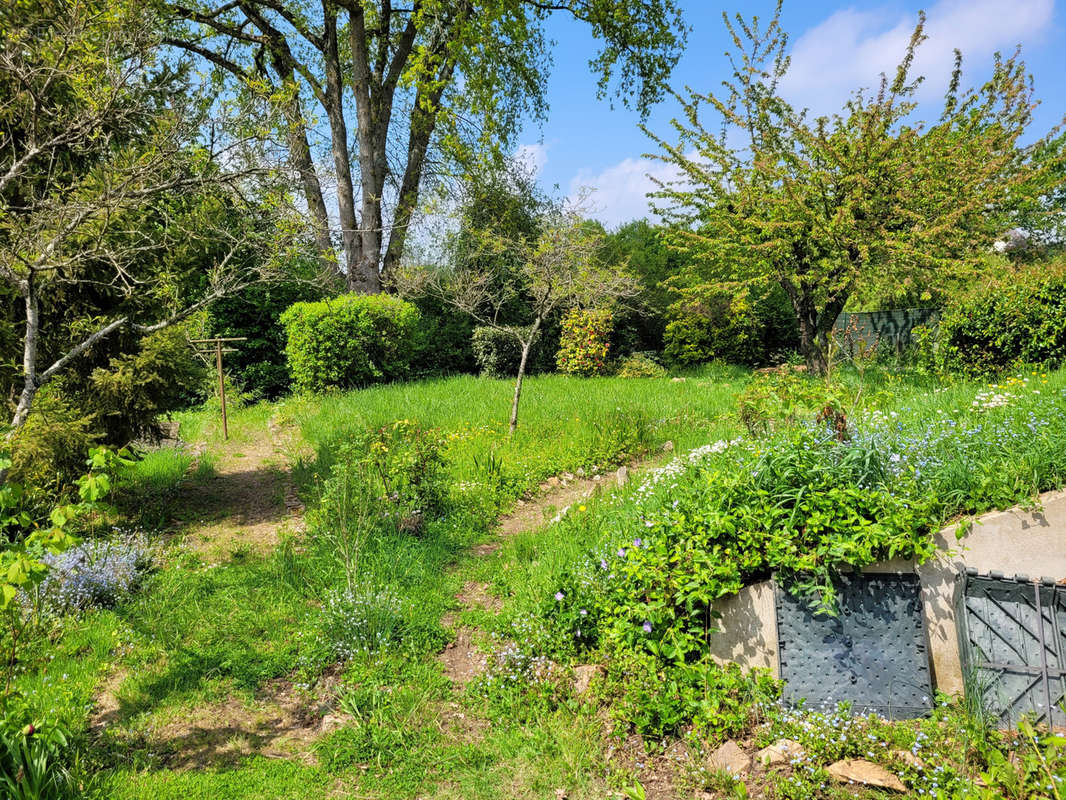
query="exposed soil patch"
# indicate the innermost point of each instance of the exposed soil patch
(557, 497)
(246, 504)
(476, 595)
(280, 723)
(460, 726)
(107, 709)
(461, 658)
(658, 774)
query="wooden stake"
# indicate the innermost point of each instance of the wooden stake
(221, 379)
(221, 388)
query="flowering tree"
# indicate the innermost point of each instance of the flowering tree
(585, 341)
(865, 199)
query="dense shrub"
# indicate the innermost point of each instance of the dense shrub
(1023, 322)
(711, 323)
(258, 364)
(445, 339)
(585, 342)
(113, 404)
(497, 352)
(350, 341)
(49, 450)
(640, 365)
(128, 396)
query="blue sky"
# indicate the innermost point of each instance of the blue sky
(835, 47)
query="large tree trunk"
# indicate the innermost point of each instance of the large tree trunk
(341, 161)
(301, 161)
(423, 123)
(814, 326)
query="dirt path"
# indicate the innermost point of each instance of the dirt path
(240, 508)
(463, 659)
(244, 505)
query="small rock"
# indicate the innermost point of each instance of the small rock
(622, 476)
(553, 481)
(561, 794)
(780, 753)
(677, 380)
(908, 758)
(730, 758)
(583, 676)
(865, 773)
(581, 472)
(597, 477)
(668, 447)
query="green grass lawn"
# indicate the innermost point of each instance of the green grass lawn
(204, 636)
(209, 640)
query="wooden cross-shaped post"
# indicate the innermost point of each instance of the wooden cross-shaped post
(218, 350)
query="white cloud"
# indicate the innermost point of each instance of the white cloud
(852, 47)
(532, 156)
(618, 193)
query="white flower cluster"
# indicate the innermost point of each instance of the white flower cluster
(989, 400)
(363, 620)
(683, 463)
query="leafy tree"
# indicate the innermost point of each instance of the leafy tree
(116, 219)
(431, 83)
(557, 270)
(643, 247)
(865, 199)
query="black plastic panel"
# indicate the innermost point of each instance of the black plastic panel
(873, 654)
(1012, 638)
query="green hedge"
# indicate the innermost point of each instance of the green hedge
(350, 341)
(710, 323)
(1023, 322)
(497, 352)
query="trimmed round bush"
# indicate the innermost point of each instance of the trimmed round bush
(640, 365)
(350, 341)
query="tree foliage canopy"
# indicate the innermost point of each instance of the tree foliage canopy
(118, 215)
(867, 197)
(409, 92)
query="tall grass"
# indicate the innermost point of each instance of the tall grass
(565, 423)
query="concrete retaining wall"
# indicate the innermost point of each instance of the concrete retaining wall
(1031, 543)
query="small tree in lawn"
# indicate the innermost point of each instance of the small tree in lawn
(867, 200)
(558, 269)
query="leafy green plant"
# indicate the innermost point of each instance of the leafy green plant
(658, 699)
(640, 365)
(33, 756)
(1002, 326)
(585, 341)
(22, 561)
(350, 341)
